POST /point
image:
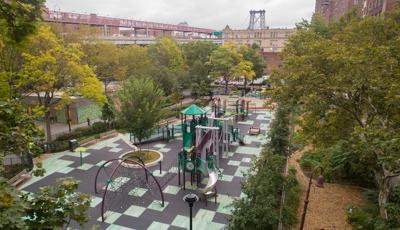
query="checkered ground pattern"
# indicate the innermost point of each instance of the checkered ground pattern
(140, 211)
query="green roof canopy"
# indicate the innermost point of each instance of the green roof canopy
(193, 110)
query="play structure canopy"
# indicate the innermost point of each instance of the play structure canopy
(193, 110)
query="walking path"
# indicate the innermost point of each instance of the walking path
(328, 206)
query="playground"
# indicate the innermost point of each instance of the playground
(207, 152)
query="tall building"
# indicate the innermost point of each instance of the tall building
(332, 10)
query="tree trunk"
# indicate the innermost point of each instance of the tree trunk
(384, 192)
(245, 86)
(68, 119)
(105, 87)
(226, 85)
(48, 125)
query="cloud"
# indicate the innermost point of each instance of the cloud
(213, 14)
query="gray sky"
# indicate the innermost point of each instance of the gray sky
(212, 14)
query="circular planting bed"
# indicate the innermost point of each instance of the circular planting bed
(148, 156)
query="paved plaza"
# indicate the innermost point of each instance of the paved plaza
(141, 209)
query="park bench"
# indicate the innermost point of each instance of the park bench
(19, 178)
(254, 130)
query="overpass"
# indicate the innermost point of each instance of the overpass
(122, 40)
(117, 27)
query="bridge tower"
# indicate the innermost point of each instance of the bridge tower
(257, 19)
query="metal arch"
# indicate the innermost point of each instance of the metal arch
(112, 174)
(103, 166)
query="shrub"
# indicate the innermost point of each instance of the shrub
(260, 208)
(291, 205)
(99, 127)
(310, 160)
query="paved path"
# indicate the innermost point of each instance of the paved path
(328, 206)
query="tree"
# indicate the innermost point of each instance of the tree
(105, 59)
(244, 69)
(51, 207)
(56, 206)
(344, 78)
(166, 52)
(253, 55)
(140, 108)
(51, 68)
(196, 56)
(259, 208)
(136, 60)
(279, 132)
(223, 60)
(18, 18)
(168, 64)
(17, 130)
(108, 112)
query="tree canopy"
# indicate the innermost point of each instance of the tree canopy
(140, 109)
(50, 68)
(344, 78)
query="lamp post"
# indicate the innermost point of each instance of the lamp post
(191, 199)
(320, 184)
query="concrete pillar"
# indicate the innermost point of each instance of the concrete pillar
(105, 31)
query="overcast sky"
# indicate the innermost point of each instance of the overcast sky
(212, 14)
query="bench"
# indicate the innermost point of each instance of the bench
(254, 131)
(19, 178)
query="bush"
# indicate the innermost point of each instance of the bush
(260, 208)
(292, 191)
(61, 143)
(368, 218)
(99, 127)
(310, 160)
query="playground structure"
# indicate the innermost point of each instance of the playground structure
(205, 139)
(117, 182)
(233, 106)
(164, 132)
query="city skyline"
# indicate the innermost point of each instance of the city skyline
(234, 13)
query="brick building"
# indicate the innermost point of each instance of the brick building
(270, 40)
(332, 10)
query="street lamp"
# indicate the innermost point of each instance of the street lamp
(191, 198)
(320, 184)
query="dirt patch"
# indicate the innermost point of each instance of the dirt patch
(146, 156)
(328, 206)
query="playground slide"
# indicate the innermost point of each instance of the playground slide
(212, 180)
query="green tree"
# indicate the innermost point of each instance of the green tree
(166, 52)
(136, 60)
(50, 69)
(253, 55)
(168, 63)
(51, 207)
(344, 78)
(279, 132)
(244, 69)
(108, 112)
(197, 54)
(140, 108)
(17, 130)
(55, 206)
(105, 59)
(260, 206)
(18, 18)
(223, 61)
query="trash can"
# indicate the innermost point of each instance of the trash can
(73, 144)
